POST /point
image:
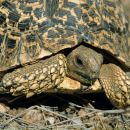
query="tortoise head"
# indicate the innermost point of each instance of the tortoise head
(84, 64)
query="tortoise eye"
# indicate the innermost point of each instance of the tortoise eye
(78, 61)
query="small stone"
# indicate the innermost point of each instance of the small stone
(68, 110)
(4, 108)
(33, 116)
(82, 113)
(51, 120)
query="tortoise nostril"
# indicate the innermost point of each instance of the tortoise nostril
(94, 65)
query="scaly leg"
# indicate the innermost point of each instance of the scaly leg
(36, 78)
(116, 85)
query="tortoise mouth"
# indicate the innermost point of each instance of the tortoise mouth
(87, 79)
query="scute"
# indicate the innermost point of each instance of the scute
(30, 30)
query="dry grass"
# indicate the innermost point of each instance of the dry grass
(71, 117)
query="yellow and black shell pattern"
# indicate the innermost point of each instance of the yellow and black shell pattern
(33, 29)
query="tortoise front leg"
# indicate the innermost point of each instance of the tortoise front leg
(116, 85)
(35, 78)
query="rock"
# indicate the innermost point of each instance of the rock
(4, 108)
(33, 116)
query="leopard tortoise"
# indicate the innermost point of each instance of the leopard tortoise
(43, 41)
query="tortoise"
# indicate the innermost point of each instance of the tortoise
(44, 41)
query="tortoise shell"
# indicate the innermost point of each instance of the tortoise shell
(33, 29)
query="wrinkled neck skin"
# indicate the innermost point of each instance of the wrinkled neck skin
(84, 64)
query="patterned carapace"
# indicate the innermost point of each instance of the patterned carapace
(33, 29)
